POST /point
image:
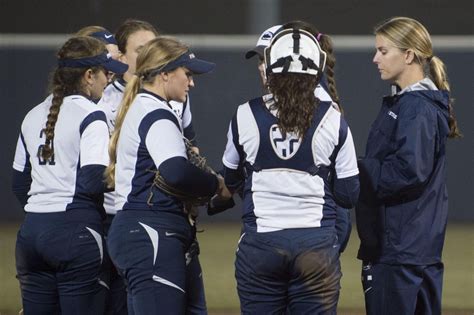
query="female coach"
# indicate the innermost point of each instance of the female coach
(402, 213)
(151, 232)
(283, 147)
(60, 156)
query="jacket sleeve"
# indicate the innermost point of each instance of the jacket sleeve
(403, 173)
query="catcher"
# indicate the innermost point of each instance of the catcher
(154, 180)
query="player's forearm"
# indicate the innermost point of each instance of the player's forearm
(21, 183)
(187, 178)
(346, 191)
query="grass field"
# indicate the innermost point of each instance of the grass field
(218, 243)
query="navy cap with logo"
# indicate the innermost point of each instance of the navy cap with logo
(104, 60)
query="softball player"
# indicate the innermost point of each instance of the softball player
(131, 36)
(116, 298)
(150, 234)
(328, 82)
(403, 209)
(284, 147)
(59, 160)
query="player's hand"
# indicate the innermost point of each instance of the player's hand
(222, 192)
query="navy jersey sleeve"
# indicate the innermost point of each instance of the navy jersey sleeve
(190, 134)
(21, 183)
(345, 184)
(187, 118)
(233, 158)
(186, 177)
(21, 176)
(93, 155)
(402, 174)
(346, 191)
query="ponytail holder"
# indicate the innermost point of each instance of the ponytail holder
(318, 37)
(429, 58)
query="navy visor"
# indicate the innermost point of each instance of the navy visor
(103, 60)
(193, 64)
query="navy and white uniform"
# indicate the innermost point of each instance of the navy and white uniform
(59, 248)
(292, 187)
(402, 212)
(110, 102)
(151, 233)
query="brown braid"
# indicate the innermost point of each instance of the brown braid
(68, 81)
(326, 45)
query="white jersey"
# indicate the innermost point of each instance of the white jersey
(150, 134)
(110, 102)
(113, 95)
(285, 188)
(80, 139)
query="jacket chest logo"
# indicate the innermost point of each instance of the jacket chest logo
(284, 146)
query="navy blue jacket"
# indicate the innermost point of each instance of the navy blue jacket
(402, 211)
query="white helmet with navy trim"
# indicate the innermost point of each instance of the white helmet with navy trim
(295, 51)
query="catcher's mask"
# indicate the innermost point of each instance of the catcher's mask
(294, 51)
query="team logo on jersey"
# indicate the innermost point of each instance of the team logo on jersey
(284, 146)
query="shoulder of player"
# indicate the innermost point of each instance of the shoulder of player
(265, 99)
(149, 102)
(82, 110)
(334, 109)
(332, 115)
(112, 91)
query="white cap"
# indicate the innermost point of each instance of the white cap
(295, 51)
(263, 42)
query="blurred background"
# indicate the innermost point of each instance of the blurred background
(222, 31)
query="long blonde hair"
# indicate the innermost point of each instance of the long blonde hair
(407, 33)
(154, 55)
